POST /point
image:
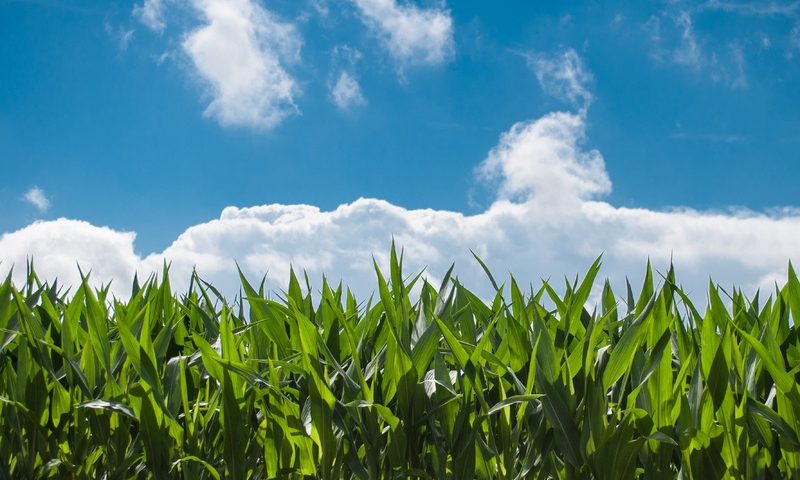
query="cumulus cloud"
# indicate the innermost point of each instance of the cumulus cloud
(412, 35)
(346, 92)
(549, 219)
(240, 55)
(243, 54)
(58, 247)
(563, 75)
(541, 161)
(36, 197)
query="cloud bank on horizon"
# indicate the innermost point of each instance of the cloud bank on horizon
(548, 219)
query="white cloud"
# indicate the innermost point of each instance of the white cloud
(243, 54)
(676, 41)
(412, 35)
(240, 55)
(346, 92)
(121, 36)
(756, 8)
(709, 137)
(739, 78)
(541, 161)
(688, 53)
(36, 197)
(653, 29)
(321, 7)
(548, 220)
(345, 56)
(563, 75)
(151, 14)
(58, 247)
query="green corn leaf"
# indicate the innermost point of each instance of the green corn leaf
(109, 406)
(513, 400)
(623, 352)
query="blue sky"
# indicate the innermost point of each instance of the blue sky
(116, 138)
(105, 107)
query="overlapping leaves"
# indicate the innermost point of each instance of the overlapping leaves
(422, 381)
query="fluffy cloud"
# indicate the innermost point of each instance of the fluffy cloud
(563, 75)
(240, 55)
(59, 247)
(346, 92)
(541, 162)
(36, 197)
(243, 55)
(548, 220)
(412, 35)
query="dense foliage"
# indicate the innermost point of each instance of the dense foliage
(434, 384)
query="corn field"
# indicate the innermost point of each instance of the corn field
(421, 381)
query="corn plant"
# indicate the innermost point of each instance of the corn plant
(420, 381)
